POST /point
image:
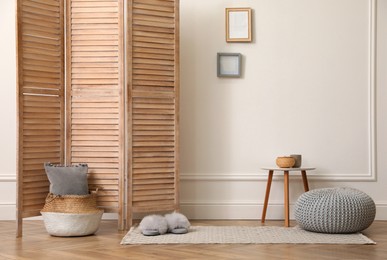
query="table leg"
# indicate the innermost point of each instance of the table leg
(268, 186)
(305, 181)
(286, 197)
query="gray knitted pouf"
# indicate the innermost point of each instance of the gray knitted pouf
(335, 210)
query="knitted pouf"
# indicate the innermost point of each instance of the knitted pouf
(335, 210)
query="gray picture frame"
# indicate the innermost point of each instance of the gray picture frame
(229, 65)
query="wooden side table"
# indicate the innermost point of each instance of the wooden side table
(286, 188)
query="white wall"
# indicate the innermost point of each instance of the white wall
(304, 89)
(7, 110)
(304, 85)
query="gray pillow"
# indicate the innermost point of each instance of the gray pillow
(65, 180)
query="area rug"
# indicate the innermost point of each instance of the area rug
(245, 235)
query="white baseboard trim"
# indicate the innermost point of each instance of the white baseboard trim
(8, 212)
(212, 210)
(248, 210)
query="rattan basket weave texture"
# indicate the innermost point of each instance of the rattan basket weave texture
(71, 203)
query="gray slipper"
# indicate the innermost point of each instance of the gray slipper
(153, 225)
(177, 223)
(149, 232)
(179, 231)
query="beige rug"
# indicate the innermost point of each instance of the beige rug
(245, 235)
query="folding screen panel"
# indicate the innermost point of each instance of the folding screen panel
(123, 132)
(153, 90)
(40, 89)
(95, 96)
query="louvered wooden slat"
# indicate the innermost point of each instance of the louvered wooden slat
(94, 3)
(152, 6)
(153, 192)
(95, 82)
(152, 187)
(154, 198)
(153, 74)
(148, 206)
(40, 70)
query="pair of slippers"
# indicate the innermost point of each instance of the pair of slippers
(154, 225)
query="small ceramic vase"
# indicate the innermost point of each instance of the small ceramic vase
(297, 158)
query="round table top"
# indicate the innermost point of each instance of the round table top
(288, 169)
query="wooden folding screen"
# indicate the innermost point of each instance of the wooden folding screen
(124, 128)
(153, 112)
(95, 96)
(40, 96)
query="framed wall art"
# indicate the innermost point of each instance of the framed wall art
(238, 25)
(229, 65)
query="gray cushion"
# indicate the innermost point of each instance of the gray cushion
(66, 180)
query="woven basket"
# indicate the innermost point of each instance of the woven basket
(71, 203)
(69, 224)
(285, 162)
(71, 215)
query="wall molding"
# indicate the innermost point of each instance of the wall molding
(371, 171)
(7, 178)
(372, 174)
(260, 176)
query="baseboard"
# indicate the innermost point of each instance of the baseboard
(212, 210)
(248, 210)
(8, 212)
(230, 210)
(381, 211)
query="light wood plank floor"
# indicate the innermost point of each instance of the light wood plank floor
(37, 244)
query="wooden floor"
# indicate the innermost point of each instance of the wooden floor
(37, 244)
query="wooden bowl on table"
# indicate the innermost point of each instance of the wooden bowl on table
(285, 161)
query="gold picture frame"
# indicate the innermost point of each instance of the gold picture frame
(238, 25)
